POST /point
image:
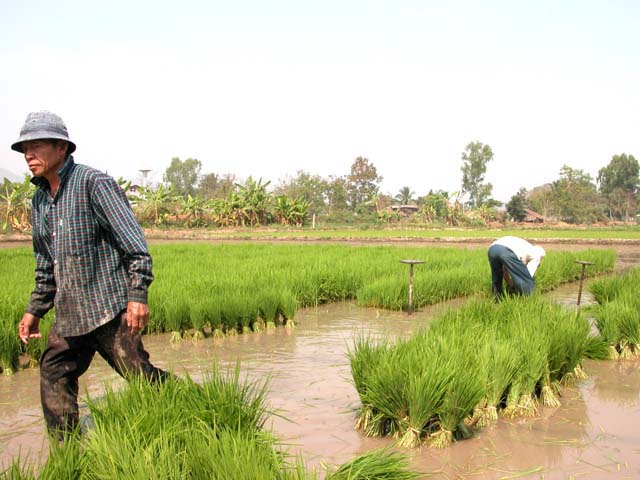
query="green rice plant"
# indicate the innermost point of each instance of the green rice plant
(499, 362)
(561, 267)
(606, 290)
(194, 282)
(192, 427)
(268, 302)
(19, 469)
(287, 306)
(390, 293)
(532, 351)
(377, 464)
(178, 316)
(569, 334)
(385, 392)
(598, 348)
(426, 390)
(65, 458)
(463, 393)
(201, 314)
(618, 321)
(9, 347)
(180, 429)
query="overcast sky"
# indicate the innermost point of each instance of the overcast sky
(266, 88)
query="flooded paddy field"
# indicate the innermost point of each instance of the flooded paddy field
(594, 434)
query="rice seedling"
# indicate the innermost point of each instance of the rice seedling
(598, 349)
(605, 290)
(618, 319)
(532, 351)
(385, 392)
(364, 357)
(463, 393)
(9, 349)
(377, 464)
(499, 362)
(472, 364)
(180, 429)
(19, 469)
(228, 287)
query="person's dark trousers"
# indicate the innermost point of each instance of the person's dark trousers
(66, 358)
(500, 258)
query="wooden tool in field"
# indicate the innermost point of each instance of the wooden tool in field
(584, 266)
(411, 263)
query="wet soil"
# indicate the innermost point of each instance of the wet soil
(595, 434)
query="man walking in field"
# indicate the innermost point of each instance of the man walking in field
(92, 264)
(514, 261)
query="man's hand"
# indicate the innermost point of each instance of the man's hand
(137, 316)
(28, 327)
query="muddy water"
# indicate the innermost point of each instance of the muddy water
(595, 434)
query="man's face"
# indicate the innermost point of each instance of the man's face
(44, 157)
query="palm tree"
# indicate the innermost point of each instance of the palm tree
(405, 196)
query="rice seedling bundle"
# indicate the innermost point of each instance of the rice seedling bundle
(180, 429)
(230, 288)
(376, 464)
(598, 348)
(9, 341)
(619, 324)
(607, 289)
(617, 316)
(472, 364)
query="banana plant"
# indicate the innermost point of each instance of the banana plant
(157, 203)
(17, 204)
(192, 208)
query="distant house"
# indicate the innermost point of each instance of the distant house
(533, 217)
(405, 209)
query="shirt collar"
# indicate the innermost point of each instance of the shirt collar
(63, 173)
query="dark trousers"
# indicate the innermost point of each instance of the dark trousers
(66, 358)
(502, 259)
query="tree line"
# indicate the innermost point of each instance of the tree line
(188, 198)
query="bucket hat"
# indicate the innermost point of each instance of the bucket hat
(40, 126)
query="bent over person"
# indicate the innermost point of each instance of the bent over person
(513, 261)
(92, 264)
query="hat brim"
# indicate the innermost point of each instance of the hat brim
(17, 146)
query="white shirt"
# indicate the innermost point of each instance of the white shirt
(530, 255)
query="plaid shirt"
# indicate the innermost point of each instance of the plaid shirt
(91, 255)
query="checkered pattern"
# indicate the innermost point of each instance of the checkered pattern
(91, 255)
